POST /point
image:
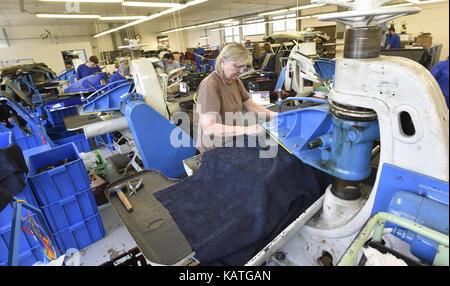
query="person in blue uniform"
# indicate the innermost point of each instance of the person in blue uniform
(118, 77)
(87, 69)
(394, 41)
(440, 73)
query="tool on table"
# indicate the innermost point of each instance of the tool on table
(134, 188)
(119, 191)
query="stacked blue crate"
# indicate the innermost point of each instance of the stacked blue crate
(56, 116)
(66, 198)
(23, 140)
(60, 136)
(29, 251)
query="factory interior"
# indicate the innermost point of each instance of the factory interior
(323, 139)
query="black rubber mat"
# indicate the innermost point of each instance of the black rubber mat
(150, 224)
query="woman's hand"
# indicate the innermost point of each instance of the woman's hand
(255, 130)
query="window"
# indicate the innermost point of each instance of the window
(232, 35)
(285, 23)
(256, 27)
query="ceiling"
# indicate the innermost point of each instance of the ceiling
(11, 13)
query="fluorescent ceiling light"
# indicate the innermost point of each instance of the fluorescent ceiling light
(121, 18)
(163, 39)
(273, 12)
(167, 11)
(204, 38)
(68, 16)
(306, 7)
(85, 1)
(227, 21)
(195, 2)
(150, 4)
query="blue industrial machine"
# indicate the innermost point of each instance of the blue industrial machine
(340, 137)
(67, 74)
(87, 84)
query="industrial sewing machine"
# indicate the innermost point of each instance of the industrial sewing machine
(390, 99)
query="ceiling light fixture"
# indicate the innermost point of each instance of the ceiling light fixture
(150, 4)
(227, 21)
(167, 11)
(273, 12)
(122, 18)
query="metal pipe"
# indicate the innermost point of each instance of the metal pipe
(104, 127)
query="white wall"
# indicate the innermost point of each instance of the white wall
(313, 22)
(50, 54)
(27, 35)
(432, 19)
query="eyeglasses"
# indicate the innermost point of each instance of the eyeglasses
(239, 67)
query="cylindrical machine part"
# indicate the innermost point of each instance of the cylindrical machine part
(362, 42)
(354, 113)
(346, 190)
(104, 127)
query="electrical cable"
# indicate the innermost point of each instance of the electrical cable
(32, 227)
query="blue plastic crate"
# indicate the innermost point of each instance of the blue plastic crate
(29, 141)
(81, 235)
(5, 139)
(59, 132)
(80, 140)
(56, 117)
(23, 140)
(60, 182)
(29, 250)
(70, 211)
(27, 153)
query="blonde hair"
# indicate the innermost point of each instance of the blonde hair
(232, 52)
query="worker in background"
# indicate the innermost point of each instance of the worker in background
(223, 92)
(87, 69)
(394, 41)
(171, 63)
(440, 73)
(118, 77)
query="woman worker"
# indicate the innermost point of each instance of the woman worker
(221, 93)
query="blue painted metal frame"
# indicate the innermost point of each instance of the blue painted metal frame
(418, 198)
(325, 68)
(109, 101)
(87, 84)
(393, 179)
(345, 152)
(36, 127)
(13, 249)
(68, 74)
(152, 134)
